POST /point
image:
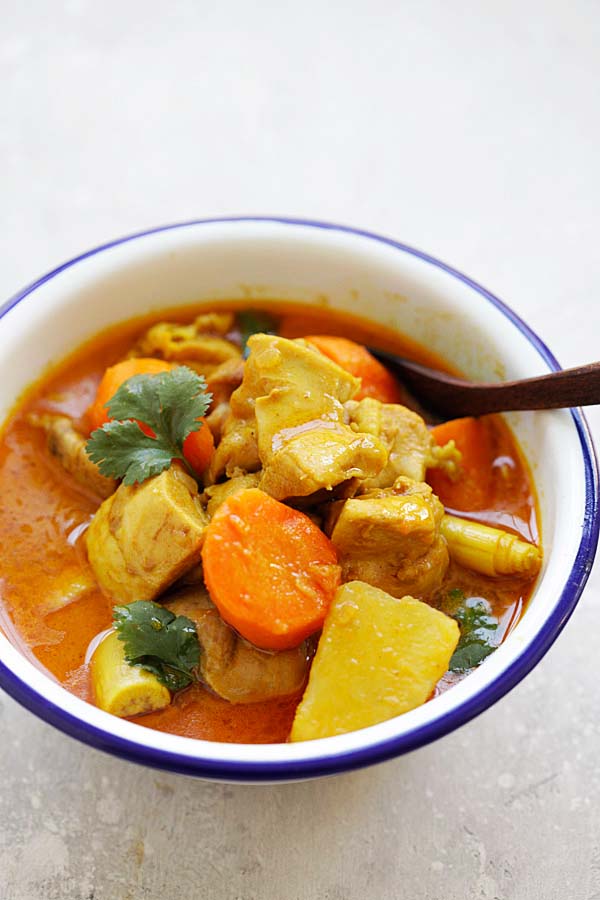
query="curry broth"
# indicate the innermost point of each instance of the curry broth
(44, 516)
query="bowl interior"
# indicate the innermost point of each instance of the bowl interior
(252, 260)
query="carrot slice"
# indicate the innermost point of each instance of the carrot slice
(269, 570)
(377, 382)
(113, 378)
(473, 489)
(199, 447)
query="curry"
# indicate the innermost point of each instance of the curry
(236, 525)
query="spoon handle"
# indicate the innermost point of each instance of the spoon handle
(455, 397)
(570, 387)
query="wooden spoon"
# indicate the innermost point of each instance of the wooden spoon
(453, 397)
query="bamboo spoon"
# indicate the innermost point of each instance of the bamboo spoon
(453, 397)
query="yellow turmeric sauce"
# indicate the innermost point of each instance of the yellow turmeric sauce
(44, 515)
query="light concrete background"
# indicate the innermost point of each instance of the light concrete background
(470, 129)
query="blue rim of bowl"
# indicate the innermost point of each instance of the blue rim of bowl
(390, 747)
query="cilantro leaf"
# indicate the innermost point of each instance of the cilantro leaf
(478, 628)
(169, 403)
(159, 641)
(122, 450)
(254, 321)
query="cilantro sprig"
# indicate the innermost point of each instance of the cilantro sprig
(478, 627)
(159, 641)
(169, 403)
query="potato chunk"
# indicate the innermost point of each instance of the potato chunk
(144, 537)
(378, 657)
(121, 689)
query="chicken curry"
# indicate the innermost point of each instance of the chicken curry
(237, 525)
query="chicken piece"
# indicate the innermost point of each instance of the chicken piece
(146, 536)
(301, 385)
(225, 379)
(237, 451)
(202, 345)
(321, 458)
(68, 446)
(216, 420)
(288, 418)
(411, 448)
(230, 666)
(218, 493)
(391, 539)
(221, 384)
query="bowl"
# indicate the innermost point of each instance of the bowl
(346, 269)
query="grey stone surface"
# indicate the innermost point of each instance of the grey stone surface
(471, 130)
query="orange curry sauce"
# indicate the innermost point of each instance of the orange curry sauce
(44, 515)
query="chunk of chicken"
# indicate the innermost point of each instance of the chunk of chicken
(288, 417)
(321, 458)
(411, 448)
(221, 384)
(225, 379)
(68, 446)
(146, 536)
(391, 539)
(202, 345)
(218, 493)
(230, 666)
(216, 420)
(237, 451)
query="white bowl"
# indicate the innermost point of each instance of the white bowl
(313, 263)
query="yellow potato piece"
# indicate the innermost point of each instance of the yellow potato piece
(121, 689)
(378, 657)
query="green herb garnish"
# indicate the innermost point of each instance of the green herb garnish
(159, 641)
(254, 321)
(478, 628)
(170, 403)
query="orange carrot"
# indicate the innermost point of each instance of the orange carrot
(112, 380)
(473, 488)
(377, 382)
(199, 447)
(269, 570)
